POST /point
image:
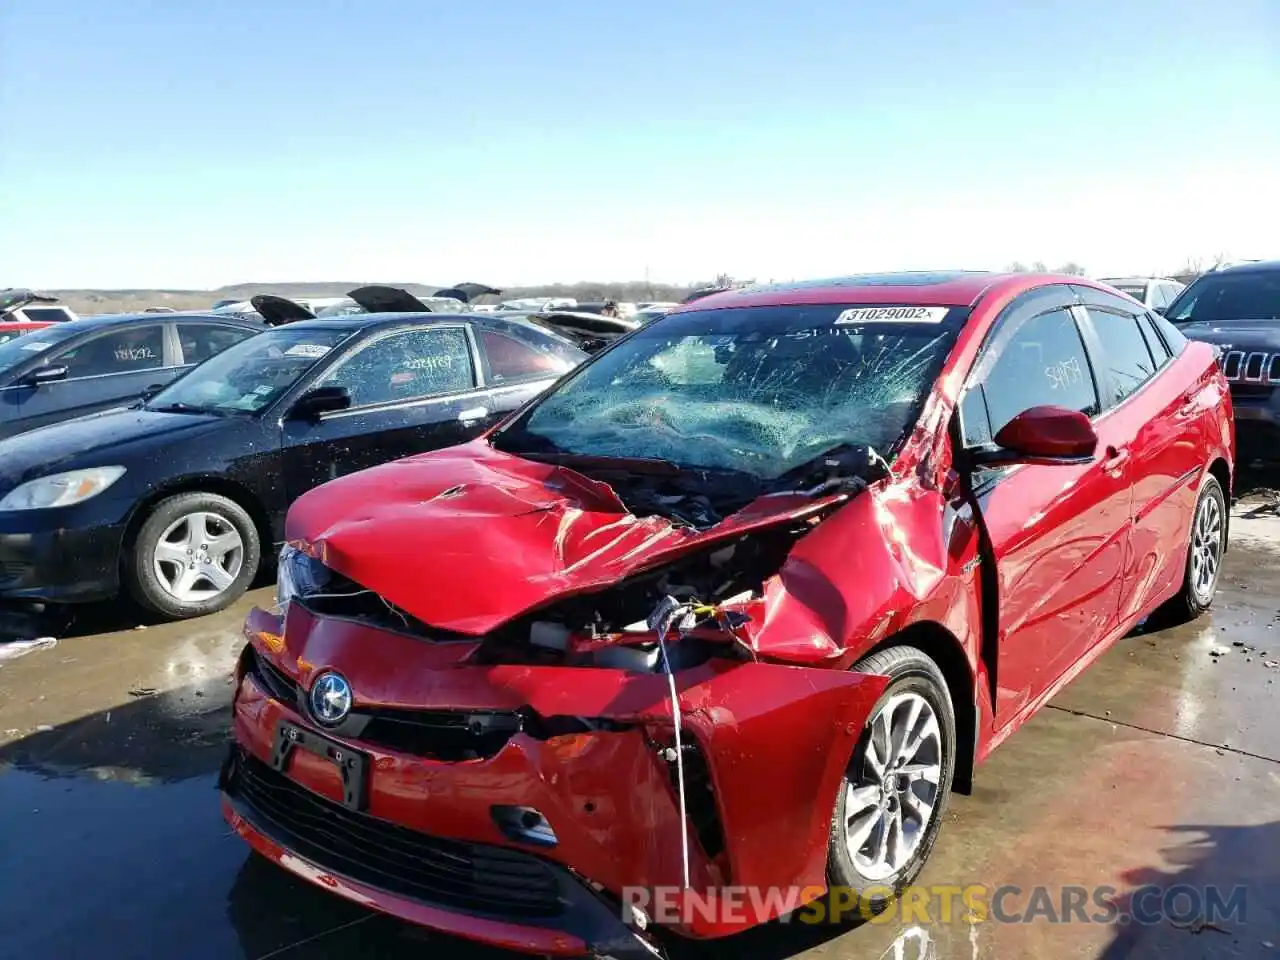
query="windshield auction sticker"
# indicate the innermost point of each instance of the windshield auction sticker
(892, 315)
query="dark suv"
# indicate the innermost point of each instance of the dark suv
(1238, 309)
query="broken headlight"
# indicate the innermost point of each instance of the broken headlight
(298, 575)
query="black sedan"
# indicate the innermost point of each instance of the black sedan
(177, 498)
(83, 366)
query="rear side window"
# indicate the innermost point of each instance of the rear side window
(200, 341)
(1158, 350)
(1170, 333)
(1044, 363)
(1125, 354)
(511, 361)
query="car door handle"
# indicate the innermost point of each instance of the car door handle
(1115, 459)
(474, 414)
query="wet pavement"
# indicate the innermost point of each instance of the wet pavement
(1160, 765)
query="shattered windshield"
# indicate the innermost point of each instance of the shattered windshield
(758, 390)
(252, 374)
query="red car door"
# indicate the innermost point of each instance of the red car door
(1155, 415)
(1059, 532)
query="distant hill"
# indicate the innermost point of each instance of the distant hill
(87, 302)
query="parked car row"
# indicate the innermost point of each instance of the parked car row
(176, 498)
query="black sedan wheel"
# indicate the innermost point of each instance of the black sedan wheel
(196, 553)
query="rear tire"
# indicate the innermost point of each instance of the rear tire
(195, 554)
(898, 781)
(1206, 545)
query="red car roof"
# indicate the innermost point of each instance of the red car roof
(936, 289)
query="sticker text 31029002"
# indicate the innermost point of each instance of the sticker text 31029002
(892, 315)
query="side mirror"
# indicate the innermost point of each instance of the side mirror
(48, 374)
(311, 404)
(151, 391)
(1161, 310)
(1047, 435)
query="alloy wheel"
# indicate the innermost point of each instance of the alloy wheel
(198, 557)
(891, 793)
(1206, 549)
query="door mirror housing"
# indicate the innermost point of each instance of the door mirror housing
(313, 403)
(1161, 310)
(1045, 435)
(151, 391)
(51, 373)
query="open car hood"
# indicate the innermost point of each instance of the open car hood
(15, 297)
(377, 298)
(279, 310)
(466, 292)
(468, 538)
(590, 331)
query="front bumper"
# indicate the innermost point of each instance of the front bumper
(45, 556)
(775, 741)
(573, 922)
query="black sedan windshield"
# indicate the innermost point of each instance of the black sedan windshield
(758, 390)
(251, 375)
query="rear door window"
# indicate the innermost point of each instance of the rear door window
(1157, 346)
(1125, 355)
(1044, 363)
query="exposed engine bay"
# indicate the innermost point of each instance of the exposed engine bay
(615, 628)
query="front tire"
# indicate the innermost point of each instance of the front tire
(1207, 543)
(898, 781)
(195, 554)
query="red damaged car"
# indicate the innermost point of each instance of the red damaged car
(723, 618)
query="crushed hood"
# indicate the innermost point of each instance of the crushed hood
(467, 538)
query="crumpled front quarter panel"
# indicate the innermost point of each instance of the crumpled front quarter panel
(778, 740)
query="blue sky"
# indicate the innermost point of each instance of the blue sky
(182, 144)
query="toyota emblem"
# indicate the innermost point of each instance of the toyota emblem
(330, 698)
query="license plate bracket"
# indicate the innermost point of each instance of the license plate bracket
(353, 766)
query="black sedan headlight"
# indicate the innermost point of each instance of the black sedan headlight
(299, 575)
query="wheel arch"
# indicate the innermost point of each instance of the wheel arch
(1221, 471)
(221, 486)
(946, 650)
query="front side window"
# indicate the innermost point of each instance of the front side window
(120, 350)
(407, 365)
(1125, 354)
(1044, 363)
(200, 341)
(251, 375)
(757, 390)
